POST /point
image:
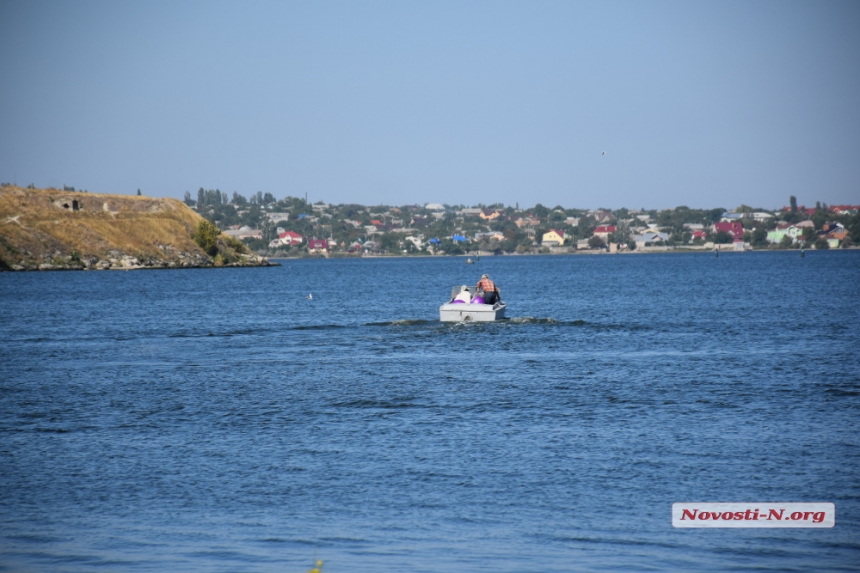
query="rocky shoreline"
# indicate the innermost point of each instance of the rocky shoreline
(116, 260)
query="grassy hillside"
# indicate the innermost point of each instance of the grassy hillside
(50, 228)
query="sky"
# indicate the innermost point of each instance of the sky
(698, 103)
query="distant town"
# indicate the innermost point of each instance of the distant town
(294, 227)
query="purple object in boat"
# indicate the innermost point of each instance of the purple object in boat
(478, 300)
(455, 301)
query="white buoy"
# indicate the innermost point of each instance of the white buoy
(310, 297)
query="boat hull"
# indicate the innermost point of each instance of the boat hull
(450, 312)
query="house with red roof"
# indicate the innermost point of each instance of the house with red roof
(286, 239)
(733, 228)
(603, 231)
(290, 238)
(318, 246)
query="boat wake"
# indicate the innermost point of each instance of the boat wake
(408, 322)
(532, 320)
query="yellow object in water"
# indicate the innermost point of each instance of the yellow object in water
(318, 568)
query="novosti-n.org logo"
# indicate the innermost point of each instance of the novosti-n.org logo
(753, 515)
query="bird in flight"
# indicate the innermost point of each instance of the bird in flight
(604, 153)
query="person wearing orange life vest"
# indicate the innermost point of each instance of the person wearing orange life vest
(492, 293)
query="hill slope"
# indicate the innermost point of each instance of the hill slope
(52, 229)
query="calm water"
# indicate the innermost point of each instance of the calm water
(218, 420)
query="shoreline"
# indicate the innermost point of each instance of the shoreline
(272, 261)
(575, 253)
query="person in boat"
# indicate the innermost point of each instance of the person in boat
(464, 295)
(492, 293)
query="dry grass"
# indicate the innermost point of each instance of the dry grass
(34, 222)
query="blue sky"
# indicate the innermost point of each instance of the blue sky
(697, 103)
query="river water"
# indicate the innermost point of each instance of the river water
(220, 420)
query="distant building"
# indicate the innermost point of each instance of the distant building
(491, 235)
(762, 216)
(734, 228)
(603, 215)
(287, 238)
(783, 230)
(318, 246)
(553, 238)
(603, 231)
(649, 239)
(470, 212)
(845, 209)
(244, 233)
(490, 214)
(417, 241)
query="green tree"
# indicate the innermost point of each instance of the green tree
(792, 217)
(715, 215)
(206, 237)
(452, 248)
(792, 200)
(821, 243)
(759, 238)
(392, 242)
(596, 242)
(556, 217)
(268, 230)
(853, 227)
(785, 242)
(722, 238)
(621, 235)
(819, 218)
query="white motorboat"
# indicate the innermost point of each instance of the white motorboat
(474, 311)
